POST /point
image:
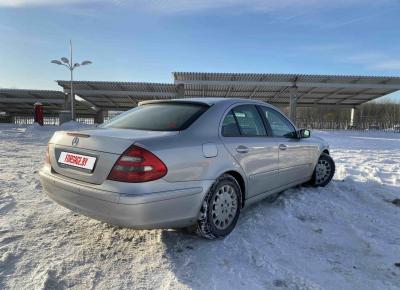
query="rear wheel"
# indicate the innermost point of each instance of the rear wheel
(324, 171)
(221, 208)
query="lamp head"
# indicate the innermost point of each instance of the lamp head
(86, 62)
(56, 62)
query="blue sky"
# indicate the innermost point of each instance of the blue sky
(137, 40)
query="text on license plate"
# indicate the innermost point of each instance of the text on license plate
(77, 160)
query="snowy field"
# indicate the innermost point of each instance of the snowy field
(343, 236)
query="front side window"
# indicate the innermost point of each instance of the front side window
(280, 126)
(243, 121)
(168, 116)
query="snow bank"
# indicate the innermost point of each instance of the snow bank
(36, 127)
(343, 236)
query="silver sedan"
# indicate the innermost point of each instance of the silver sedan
(183, 163)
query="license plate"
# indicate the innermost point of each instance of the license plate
(77, 160)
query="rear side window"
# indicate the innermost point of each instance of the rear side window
(243, 121)
(159, 117)
(229, 126)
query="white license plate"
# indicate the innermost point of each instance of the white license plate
(77, 160)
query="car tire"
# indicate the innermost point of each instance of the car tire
(323, 171)
(220, 209)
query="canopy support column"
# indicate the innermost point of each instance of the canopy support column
(352, 117)
(11, 118)
(181, 91)
(293, 106)
(355, 117)
(99, 118)
(66, 105)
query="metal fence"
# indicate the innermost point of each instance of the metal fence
(27, 120)
(319, 125)
(49, 120)
(52, 120)
(5, 119)
(361, 126)
(85, 120)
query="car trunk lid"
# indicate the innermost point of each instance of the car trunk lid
(89, 155)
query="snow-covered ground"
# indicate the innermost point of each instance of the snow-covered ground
(343, 236)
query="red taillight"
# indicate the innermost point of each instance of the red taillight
(137, 165)
(47, 156)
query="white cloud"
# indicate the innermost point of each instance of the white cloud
(323, 47)
(171, 6)
(393, 64)
(176, 6)
(24, 3)
(376, 61)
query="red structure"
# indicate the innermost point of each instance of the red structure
(38, 107)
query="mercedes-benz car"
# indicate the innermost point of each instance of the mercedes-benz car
(192, 163)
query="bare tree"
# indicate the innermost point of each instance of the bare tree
(377, 115)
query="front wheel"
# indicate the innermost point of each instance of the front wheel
(221, 208)
(324, 171)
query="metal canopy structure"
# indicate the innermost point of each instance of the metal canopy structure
(282, 89)
(278, 89)
(19, 101)
(119, 96)
(294, 90)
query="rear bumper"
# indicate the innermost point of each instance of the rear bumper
(164, 209)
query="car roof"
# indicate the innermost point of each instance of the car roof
(207, 101)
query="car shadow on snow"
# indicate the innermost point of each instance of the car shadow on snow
(237, 261)
(303, 238)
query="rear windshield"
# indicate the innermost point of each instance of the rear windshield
(159, 117)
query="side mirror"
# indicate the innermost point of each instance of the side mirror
(304, 133)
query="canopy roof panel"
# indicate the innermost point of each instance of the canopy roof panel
(119, 95)
(310, 90)
(21, 102)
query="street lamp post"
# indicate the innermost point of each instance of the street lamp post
(68, 63)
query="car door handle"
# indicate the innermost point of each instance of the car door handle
(282, 147)
(242, 149)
